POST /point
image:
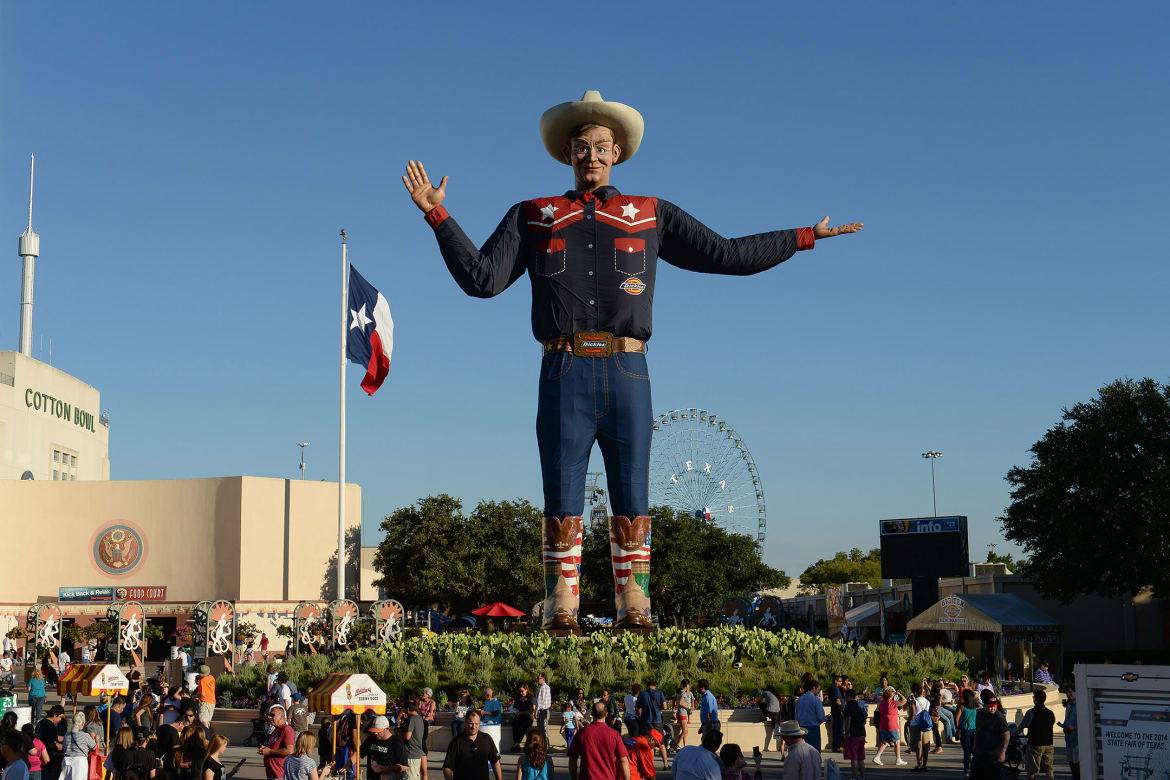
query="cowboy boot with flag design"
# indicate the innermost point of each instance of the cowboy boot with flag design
(629, 551)
(562, 573)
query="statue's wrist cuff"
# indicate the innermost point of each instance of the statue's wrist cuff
(805, 238)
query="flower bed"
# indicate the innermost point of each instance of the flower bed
(739, 662)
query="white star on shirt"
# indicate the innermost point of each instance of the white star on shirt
(359, 319)
(548, 211)
(629, 212)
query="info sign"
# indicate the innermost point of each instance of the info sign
(1123, 719)
(922, 525)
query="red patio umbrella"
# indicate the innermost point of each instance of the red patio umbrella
(497, 610)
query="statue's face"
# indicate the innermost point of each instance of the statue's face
(592, 153)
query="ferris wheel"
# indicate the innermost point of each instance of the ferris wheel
(699, 464)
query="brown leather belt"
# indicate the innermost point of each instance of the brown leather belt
(594, 344)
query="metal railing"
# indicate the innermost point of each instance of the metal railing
(6, 379)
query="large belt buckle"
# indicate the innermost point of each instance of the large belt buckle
(594, 344)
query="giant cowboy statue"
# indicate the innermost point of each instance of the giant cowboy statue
(591, 257)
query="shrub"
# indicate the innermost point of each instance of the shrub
(602, 661)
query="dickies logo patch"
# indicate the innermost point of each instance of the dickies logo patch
(632, 286)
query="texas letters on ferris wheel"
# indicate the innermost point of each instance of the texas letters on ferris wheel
(591, 257)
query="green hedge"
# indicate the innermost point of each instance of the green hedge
(448, 662)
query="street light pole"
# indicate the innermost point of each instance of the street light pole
(302, 445)
(932, 456)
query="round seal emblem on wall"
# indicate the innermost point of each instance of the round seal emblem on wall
(117, 549)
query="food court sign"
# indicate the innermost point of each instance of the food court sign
(99, 594)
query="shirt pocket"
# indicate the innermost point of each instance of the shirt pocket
(629, 256)
(548, 256)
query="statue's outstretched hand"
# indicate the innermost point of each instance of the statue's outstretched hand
(424, 194)
(821, 229)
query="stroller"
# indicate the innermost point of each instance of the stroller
(260, 726)
(1013, 764)
(259, 732)
(669, 739)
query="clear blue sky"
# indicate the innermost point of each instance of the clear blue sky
(196, 160)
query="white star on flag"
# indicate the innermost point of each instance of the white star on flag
(360, 319)
(629, 212)
(548, 211)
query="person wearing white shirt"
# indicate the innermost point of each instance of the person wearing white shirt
(920, 726)
(543, 702)
(281, 694)
(63, 661)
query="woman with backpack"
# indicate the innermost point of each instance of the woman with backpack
(918, 709)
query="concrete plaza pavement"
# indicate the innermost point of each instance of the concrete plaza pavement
(245, 764)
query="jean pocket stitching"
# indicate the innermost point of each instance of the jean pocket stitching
(631, 374)
(566, 364)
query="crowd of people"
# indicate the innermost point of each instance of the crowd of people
(155, 731)
(165, 732)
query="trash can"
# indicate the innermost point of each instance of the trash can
(493, 731)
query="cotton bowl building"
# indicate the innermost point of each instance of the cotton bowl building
(262, 543)
(51, 426)
(82, 540)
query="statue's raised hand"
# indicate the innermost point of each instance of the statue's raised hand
(424, 194)
(822, 229)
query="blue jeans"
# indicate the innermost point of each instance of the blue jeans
(967, 738)
(583, 400)
(948, 720)
(813, 737)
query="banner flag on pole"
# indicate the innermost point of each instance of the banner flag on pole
(371, 331)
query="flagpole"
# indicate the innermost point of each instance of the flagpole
(341, 426)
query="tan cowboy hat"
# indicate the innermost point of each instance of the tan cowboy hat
(625, 122)
(791, 728)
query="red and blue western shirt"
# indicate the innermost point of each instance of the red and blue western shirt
(591, 257)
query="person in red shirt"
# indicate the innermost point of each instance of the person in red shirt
(279, 745)
(597, 752)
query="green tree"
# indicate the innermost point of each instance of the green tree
(1092, 509)
(507, 545)
(433, 554)
(695, 566)
(852, 566)
(1015, 566)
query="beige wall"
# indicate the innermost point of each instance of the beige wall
(29, 436)
(369, 591)
(222, 538)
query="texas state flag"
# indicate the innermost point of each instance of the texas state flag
(371, 331)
